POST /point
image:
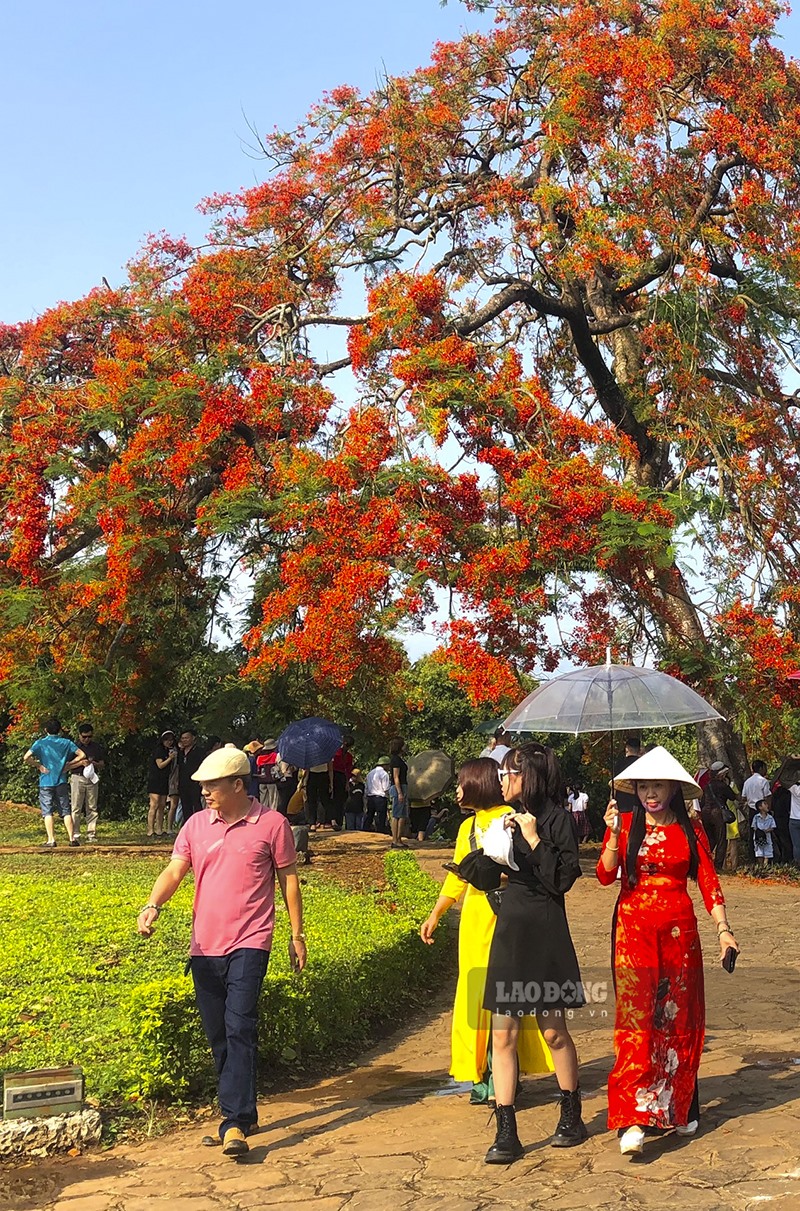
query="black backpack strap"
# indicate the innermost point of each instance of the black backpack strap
(473, 840)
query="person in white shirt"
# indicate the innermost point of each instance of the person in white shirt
(376, 797)
(579, 806)
(794, 822)
(763, 830)
(496, 749)
(755, 790)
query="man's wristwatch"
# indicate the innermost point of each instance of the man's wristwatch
(299, 937)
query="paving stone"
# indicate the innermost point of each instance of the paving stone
(153, 1201)
(232, 1176)
(94, 1185)
(401, 1168)
(308, 1200)
(86, 1202)
(385, 1200)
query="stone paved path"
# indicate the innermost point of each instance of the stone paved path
(392, 1134)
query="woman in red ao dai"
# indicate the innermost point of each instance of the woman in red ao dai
(658, 963)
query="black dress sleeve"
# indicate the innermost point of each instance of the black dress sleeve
(555, 861)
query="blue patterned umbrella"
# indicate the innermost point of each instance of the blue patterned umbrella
(309, 742)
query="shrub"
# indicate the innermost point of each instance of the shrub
(367, 966)
(80, 986)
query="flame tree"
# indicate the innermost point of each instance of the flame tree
(566, 249)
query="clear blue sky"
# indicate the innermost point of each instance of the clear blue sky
(118, 118)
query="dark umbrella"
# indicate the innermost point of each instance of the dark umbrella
(489, 727)
(309, 742)
(429, 775)
(610, 697)
(789, 772)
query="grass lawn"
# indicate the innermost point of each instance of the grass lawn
(23, 826)
(74, 970)
(71, 955)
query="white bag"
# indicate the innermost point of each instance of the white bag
(90, 773)
(498, 844)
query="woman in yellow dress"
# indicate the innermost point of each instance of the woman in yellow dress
(478, 791)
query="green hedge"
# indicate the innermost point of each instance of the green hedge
(367, 967)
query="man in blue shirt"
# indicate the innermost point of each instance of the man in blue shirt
(54, 756)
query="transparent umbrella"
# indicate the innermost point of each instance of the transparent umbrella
(609, 698)
(490, 727)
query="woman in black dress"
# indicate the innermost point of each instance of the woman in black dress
(162, 761)
(398, 790)
(532, 964)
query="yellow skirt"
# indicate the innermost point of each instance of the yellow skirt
(472, 1024)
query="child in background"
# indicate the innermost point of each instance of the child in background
(354, 803)
(763, 827)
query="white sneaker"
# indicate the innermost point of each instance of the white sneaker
(632, 1141)
(689, 1129)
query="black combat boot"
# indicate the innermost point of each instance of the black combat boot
(506, 1147)
(571, 1129)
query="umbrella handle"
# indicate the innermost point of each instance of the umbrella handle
(611, 759)
(610, 721)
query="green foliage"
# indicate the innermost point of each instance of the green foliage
(621, 534)
(439, 714)
(70, 958)
(83, 987)
(681, 742)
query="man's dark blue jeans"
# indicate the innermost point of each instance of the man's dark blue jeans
(226, 988)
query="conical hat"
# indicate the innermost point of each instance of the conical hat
(658, 764)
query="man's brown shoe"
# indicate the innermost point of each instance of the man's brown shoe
(234, 1143)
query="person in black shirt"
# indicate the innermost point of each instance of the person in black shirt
(531, 948)
(398, 790)
(84, 792)
(191, 758)
(781, 807)
(633, 751)
(717, 796)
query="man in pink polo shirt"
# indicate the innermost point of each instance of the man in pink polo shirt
(236, 849)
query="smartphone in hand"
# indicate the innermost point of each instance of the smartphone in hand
(729, 959)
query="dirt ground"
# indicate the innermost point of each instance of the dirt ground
(394, 1132)
(333, 853)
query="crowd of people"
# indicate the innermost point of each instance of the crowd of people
(761, 822)
(516, 858)
(336, 795)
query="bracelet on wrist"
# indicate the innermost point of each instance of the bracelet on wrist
(724, 928)
(299, 937)
(153, 906)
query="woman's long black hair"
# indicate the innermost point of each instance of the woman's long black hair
(542, 780)
(637, 830)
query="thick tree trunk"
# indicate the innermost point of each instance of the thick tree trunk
(667, 594)
(681, 626)
(717, 741)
